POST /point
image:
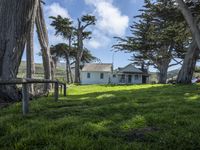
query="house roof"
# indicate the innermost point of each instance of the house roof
(97, 67)
(130, 68)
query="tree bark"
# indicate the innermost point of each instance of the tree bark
(68, 59)
(15, 23)
(163, 68)
(30, 68)
(186, 73)
(77, 71)
(192, 22)
(163, 74)
(30, 65)
(70, 74)
(44, 42)
(79, 52)
(67, 69)
(53, 69)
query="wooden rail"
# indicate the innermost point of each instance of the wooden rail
(25, 89)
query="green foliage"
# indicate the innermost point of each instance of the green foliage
(62, 50)
(88, 19)
(159, 35)
(107, 117)
(63, 26)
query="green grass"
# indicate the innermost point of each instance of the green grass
(107, 117)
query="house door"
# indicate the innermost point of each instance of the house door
(144, 79)
(129, 78)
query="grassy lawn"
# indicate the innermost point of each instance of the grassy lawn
(107, 118)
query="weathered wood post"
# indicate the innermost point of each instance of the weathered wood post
(65, 89)
(25, 98)
(56, 91)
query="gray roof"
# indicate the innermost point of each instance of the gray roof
(97, 67)
(130, 68)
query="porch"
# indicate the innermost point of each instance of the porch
(130, 78)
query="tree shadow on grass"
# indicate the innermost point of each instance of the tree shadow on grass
(127, 114)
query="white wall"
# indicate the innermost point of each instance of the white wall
(95, 78)
(115, 80)
(139, 81)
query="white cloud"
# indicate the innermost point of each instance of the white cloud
(99, 40)
(94, 44)
(55, 9)
(109, 18)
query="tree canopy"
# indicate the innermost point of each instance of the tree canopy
(158, 37)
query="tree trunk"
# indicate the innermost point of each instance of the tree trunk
(77, 71)
(163, 68)
(67, 70)
(15, 23)
(70, 74)
(30, 66)
(186, 73)
(53, 69)
(69, 64)
(163, 75)
(44, 42)
(79, 52)
(190, 20)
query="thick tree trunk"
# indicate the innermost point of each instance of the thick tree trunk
(30, 65)
(186, 73)
(44, 42)
(162, 75)
(190, 20)
(163, 68)
(15, 23)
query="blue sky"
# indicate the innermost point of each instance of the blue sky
(113, 19)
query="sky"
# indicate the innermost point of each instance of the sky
(113, 19)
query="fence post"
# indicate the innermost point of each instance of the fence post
(65, 89)
(25, 98)
(56, 91)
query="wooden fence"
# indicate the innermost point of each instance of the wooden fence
(25, 89)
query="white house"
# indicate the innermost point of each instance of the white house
(96, 74)
(130, 75)
(104, 74)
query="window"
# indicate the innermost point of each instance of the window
(101, 76)
(114, 75)
(88, 75)
(136, 77)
